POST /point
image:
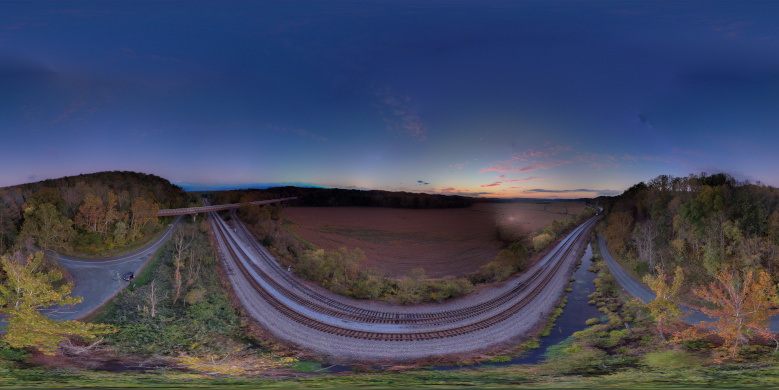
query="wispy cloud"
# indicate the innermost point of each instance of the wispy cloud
(519, 180)
(693, 153)
(587, 190)
(300, 132)
(399, 115)
(459, 166)
(501, 182)
(422, 182)
(530, 160)
(517, 166)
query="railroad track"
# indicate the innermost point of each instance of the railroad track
(325, 305)
(252, 273)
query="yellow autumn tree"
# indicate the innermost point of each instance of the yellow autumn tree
(91, 213)
(663, 308)
(744, 301)
(27, 289)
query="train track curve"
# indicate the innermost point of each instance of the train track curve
(250, 265)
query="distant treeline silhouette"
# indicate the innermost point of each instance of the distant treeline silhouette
(333, 197)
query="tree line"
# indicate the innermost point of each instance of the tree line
(700, 222)
(336, 197)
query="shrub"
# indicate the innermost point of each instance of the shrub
(501, 359)
(494, 271)
(641, 268)
(15, 354)
(515, 256)
(664, 360)
(541, 241)
(578, 360)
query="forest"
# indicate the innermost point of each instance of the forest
(707, 241)
(85, 214)
(702, 223)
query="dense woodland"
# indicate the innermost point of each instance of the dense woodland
(702, 223)
(86, 213)
(717, 236)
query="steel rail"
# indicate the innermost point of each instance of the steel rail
(502, 315)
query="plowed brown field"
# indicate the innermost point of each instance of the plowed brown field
(445, 242)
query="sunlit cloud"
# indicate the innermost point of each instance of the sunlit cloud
(497, 183)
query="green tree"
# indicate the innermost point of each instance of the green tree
(663, 308)
(50, 229)
(515, 256)
(29, 288)
(9, 216)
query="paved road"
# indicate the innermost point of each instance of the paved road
(98, 280)
(632, 286)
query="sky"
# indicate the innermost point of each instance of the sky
(544, 99)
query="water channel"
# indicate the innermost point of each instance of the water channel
(575, 315)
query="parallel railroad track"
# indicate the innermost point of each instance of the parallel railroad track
(327, 306)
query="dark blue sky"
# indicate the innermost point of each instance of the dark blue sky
(504, 98)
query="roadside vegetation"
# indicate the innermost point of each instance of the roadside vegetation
(177, 314)
(179, 307)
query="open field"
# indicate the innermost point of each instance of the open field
(445, 242)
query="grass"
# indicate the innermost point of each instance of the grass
(529, 377)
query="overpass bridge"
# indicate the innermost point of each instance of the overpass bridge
(205, 209)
